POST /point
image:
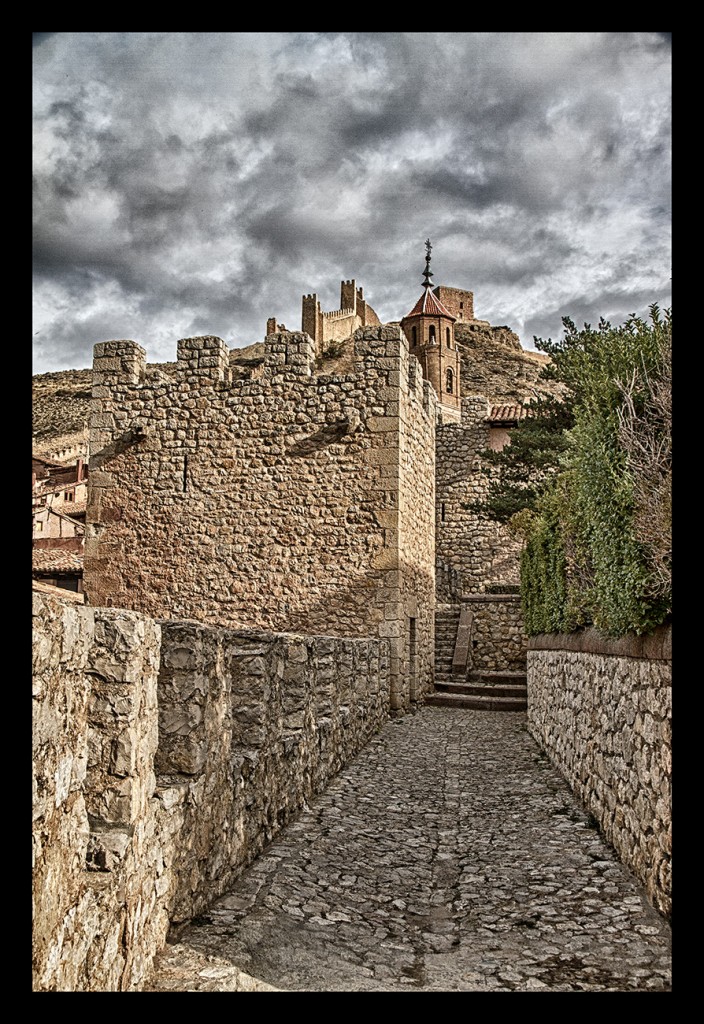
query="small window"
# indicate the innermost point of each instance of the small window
(68, 495)
(414, 335)
(447, 336)
(461, 305)
(449, 382)
(38, 527)
(431, 334)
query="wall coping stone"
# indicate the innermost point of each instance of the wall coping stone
(491, 597)
(656, 646)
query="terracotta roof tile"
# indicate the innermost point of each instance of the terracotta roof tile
(56, 560)
(507, 413)
(69, 508)
(430, 305)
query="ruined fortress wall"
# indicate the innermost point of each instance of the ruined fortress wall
(483, 553)
(456, 301)
(339, 325)
(165, 757)
(260, 503)
(604, 719)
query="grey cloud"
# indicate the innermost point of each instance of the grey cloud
(205, 181)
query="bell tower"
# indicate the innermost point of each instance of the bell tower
(430, 329)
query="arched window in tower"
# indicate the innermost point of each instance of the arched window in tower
(414, 335)
(449, 382)
(431, 335)
(447, 336)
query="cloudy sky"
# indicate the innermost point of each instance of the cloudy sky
(199, 183)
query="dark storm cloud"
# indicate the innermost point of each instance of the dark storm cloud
(201, 182)
(616, 307)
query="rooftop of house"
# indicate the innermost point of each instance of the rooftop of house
(56, 560)
(502, 414)
(69, 510)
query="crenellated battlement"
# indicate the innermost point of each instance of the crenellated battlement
(206, 356)
(338, 313)
(118, 361)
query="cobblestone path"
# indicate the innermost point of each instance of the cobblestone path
(448, 856)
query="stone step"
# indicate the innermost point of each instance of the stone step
(502, 676)
(479, 690)
(476, 703)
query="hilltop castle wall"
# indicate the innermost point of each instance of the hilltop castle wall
(165, 758)
(282, 502)
(457, 301)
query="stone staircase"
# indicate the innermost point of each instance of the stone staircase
(447, 619)
(457, 687)
(488, 691)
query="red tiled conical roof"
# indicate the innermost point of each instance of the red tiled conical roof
(429, 305)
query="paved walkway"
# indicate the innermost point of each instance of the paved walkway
(448, 856)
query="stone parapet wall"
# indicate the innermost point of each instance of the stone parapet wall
(251, 725)
(99, 878)
(165, 757)
(605, 721)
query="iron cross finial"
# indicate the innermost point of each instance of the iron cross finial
(427, 273)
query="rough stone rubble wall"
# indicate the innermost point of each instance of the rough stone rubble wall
(269, 503)
(416, 523)
(605, 721)
(98, 873)
(164, 758)
(497, 641)
(480, 551)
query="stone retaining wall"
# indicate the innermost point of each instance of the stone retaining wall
(602, 712)
(165, 757)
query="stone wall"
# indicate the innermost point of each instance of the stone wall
(274, 503)
(165, 757)
(415, 628)
(457, 301)
(99, 878)
(498, 643)
(481, 552)
(602, 713)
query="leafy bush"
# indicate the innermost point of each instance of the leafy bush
(598, 530)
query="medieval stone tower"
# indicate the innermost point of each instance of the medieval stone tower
(430, 329)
